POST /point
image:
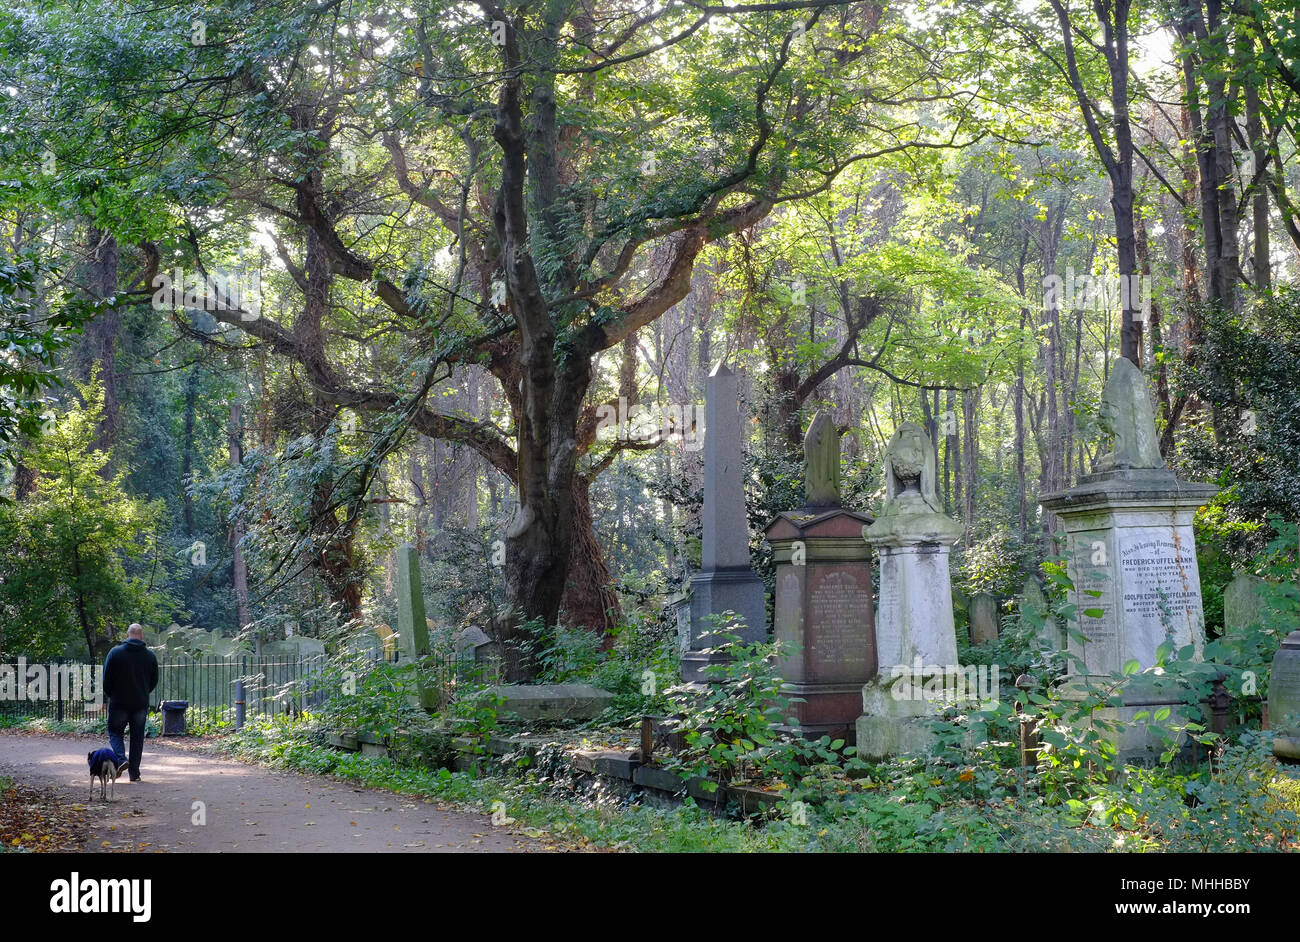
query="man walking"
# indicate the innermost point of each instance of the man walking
(130, 675)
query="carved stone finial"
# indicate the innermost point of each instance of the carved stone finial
(910, 469)
(821, 463)
(1126, 414)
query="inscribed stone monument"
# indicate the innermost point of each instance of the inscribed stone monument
(914, 621)
(823, 606)
(1132, 561)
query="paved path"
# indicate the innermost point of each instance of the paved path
(249, 808)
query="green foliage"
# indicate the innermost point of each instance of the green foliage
(1249, 434)
(29, 339)
(996, 564)
(638, 665)
(731, 724)
(82, 556)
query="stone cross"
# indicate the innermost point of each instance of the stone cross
(821, 463)
(723, 516)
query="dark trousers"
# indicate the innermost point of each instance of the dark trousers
(118, 718)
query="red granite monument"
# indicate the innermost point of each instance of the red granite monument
(824, 601)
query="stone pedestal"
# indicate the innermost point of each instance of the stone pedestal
(824, 615)
(1284, 699)
(1136, 582)
(714, 592)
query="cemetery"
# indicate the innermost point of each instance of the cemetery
(855, 670)
(805, 426)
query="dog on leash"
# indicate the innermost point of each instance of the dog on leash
(103, 766)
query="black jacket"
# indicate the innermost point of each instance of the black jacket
(130, 675)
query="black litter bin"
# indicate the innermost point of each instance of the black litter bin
(173, 717)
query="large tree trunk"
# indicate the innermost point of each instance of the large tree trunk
(187, 449)
(1259, 191)
(589, 597)
(239, 569)
(1212, 131)
(1117, 159)
(99, 342)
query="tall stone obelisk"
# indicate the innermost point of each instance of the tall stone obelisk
(726, 581)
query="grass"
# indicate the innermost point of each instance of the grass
(596, 819)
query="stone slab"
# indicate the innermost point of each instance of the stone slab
(532, 702)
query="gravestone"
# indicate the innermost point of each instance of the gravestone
(1035, 614)
(477, 653)
(467, 641)
(1244, 602)
(823, 605)
(726, 582)
(1284, 699)
(412, 627)
(1132, 560)
(983, 615)
(914, 619)
(294, 648)
(387, 637)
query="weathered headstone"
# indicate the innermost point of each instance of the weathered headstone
(387, 639)
(1035, 612)
(914, 621)
(1284, 699)
(823, 600)
(1244, 602)
(467, 641)
(726, 582)
(412, 627)
(983, 615)
(1132, 562)
(476, 651)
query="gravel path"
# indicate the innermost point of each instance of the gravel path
(248, 808)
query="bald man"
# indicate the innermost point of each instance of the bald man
(130, 676)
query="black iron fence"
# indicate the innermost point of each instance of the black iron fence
(219, 690)
(215, 688)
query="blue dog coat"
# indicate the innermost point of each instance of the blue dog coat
(100, 756)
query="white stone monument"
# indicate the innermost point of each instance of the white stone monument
(914, 621)
(1132, 559)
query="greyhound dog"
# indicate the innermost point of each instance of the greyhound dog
(103, 766)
